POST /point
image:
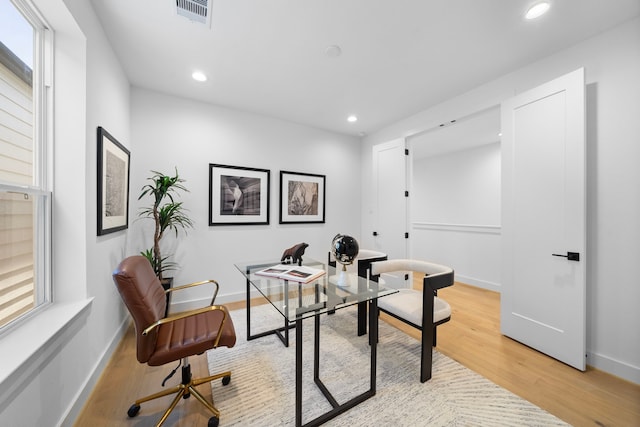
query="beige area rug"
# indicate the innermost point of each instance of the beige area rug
(262, 388)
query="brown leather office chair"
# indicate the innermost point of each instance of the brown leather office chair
(161, 339)
(423, 309)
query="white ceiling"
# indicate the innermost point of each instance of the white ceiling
(399, 57)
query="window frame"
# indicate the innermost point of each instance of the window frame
(42, 182)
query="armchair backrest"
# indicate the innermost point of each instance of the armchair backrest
(436, 276)
(361, 262)
(144, 297)
(364, 260)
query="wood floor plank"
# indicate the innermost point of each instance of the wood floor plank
(472, 337)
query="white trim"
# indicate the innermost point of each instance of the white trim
(80, 399)
(614, 367)
(464, 228)
(478, 283)
(46, 332)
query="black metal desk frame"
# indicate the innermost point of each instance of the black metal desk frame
(337, 408)
(278, 331)
(283, 335)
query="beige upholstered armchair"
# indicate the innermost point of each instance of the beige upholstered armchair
(421, 309)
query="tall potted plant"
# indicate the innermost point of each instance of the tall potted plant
(167, 213)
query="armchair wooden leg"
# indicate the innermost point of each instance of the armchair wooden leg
(426, 357)
(428, 337)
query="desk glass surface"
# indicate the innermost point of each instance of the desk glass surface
(316, 297)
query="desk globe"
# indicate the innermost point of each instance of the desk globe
(344, 249)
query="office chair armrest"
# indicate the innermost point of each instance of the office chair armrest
(188, 313)
(191, 285)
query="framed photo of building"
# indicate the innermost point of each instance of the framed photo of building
(302, 198)
(238, 195)
(113, 184)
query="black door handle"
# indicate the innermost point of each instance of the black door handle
(375, 233)
(571, 256)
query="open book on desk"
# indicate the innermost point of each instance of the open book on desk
(295, 273)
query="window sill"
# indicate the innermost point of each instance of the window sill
(30, 345)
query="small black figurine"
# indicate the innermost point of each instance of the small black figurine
(294, 254)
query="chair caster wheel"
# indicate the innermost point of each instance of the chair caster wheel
(186, 395)
(226, 379)
(213, 422)
(133, 410)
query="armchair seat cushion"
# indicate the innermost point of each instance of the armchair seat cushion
(190, 336)
(407, 304)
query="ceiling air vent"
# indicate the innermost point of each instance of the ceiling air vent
(195, 10)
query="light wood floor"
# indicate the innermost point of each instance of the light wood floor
(472, 337)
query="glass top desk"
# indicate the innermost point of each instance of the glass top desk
(298, 301)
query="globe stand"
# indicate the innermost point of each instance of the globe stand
(343, 278)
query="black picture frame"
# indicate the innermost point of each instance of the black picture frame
(113, 184)
(238, 195)
(302, 198)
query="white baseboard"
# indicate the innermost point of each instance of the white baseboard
(479, 283)
(83, 395)
(614, 367)
(221, 299)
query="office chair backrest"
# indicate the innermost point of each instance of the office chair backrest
(145, 299)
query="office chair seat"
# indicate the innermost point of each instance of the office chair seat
(190, 336)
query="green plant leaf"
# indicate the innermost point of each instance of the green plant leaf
(166, 213)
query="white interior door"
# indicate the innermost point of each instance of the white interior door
(544, 219)
(390, 202)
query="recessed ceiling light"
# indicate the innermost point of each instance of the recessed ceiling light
(333, 51)
(537, 10)
(199, 76)
(352, 119)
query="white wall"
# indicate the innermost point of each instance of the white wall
(462, 187)
(173, 132)
(612, 64)
(92, 91)
(84, 324)
(455, 213)
(108, 105)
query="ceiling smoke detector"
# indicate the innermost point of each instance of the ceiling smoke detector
(195, 10)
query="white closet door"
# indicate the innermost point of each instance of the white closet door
(390, 202)
(544, 219)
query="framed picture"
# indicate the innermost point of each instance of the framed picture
(238, 195)
(113, 184)
(302, 197)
